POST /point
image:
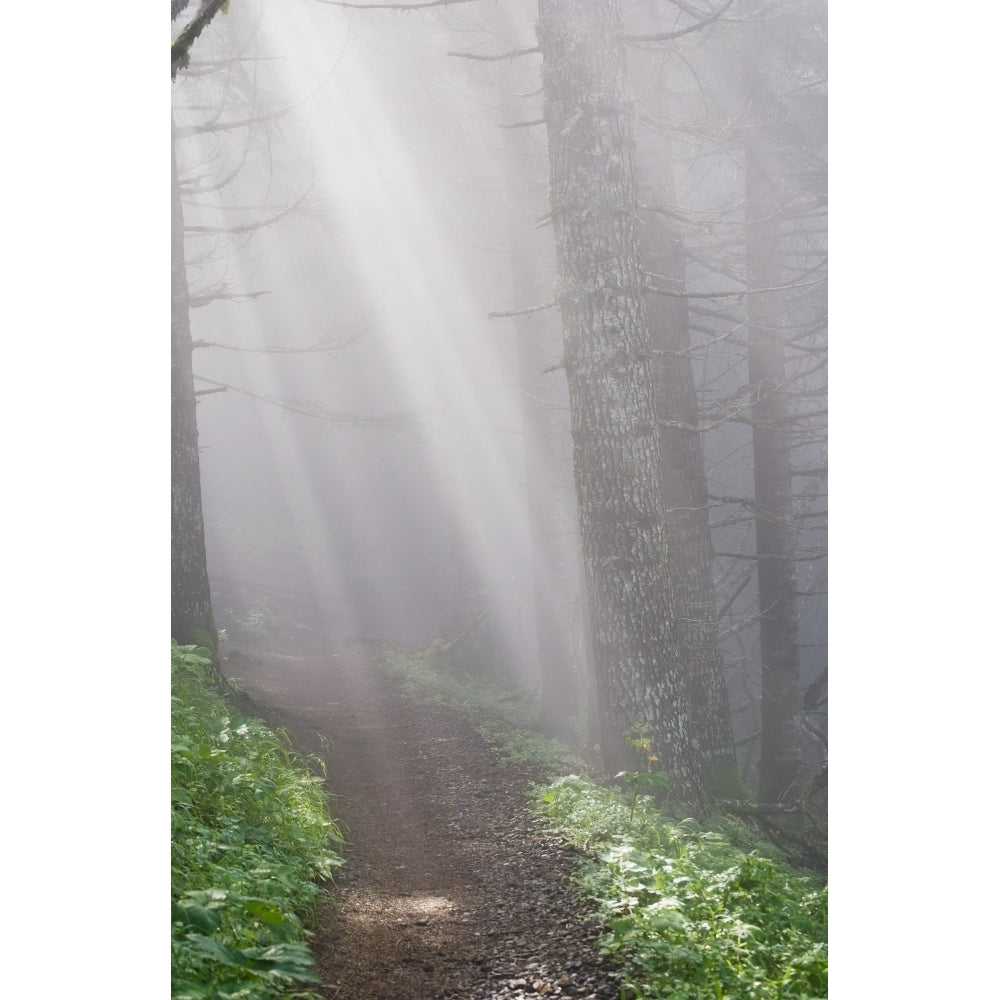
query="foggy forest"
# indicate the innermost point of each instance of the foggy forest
(499, 364)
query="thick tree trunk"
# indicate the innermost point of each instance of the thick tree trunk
(685, 497)
(690, 556)
(781, 700)
(606, 344)
(191, 619)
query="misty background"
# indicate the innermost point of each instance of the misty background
(87, 404)
(353, 189)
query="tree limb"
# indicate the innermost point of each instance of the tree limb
(738, 292)
(669, 36)
(249, 227)
(764, 555)
(198, 301)
(522, 312)
(513, 54)
(180, 49)
(399, 7)
(326, 344)
(314, 411)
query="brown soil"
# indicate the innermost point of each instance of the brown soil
(451, 889)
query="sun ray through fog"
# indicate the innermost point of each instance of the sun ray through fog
(433, 355)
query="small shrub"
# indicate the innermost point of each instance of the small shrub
(690, 915)
(251, 834)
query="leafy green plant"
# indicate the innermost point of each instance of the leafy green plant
(523, 749)
(194, 661)
(646, 780)
(251, 835)
(690, 914)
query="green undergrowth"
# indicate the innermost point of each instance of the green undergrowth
(693, 911)
(251, 835)
(506, 719)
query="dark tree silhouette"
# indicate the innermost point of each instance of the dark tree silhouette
(191, 619)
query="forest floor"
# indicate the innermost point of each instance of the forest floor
(451, 888)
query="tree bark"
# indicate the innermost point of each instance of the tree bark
(180, 48)
(685, 497)
(690, 555)
(600, 292)
(191, 619)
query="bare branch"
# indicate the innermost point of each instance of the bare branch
(522, 312)
(398, 7)
(737, 293)
(669, 36)
(322, 346)
(740, 501)
(763, 555)
(679, 425)
(498, 57)
(249, 227)
(391, 421)
(197, 301)
(189, 130)
(724, 608)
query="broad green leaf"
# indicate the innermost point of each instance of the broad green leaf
(200, 917)
(209, 947)
(264, 911)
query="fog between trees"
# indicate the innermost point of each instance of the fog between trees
(381, 225)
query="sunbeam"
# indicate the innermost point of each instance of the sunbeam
(387, 251)
(498, 486)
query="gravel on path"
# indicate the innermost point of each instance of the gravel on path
(452, 889)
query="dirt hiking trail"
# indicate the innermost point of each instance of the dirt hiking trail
(451, 891)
